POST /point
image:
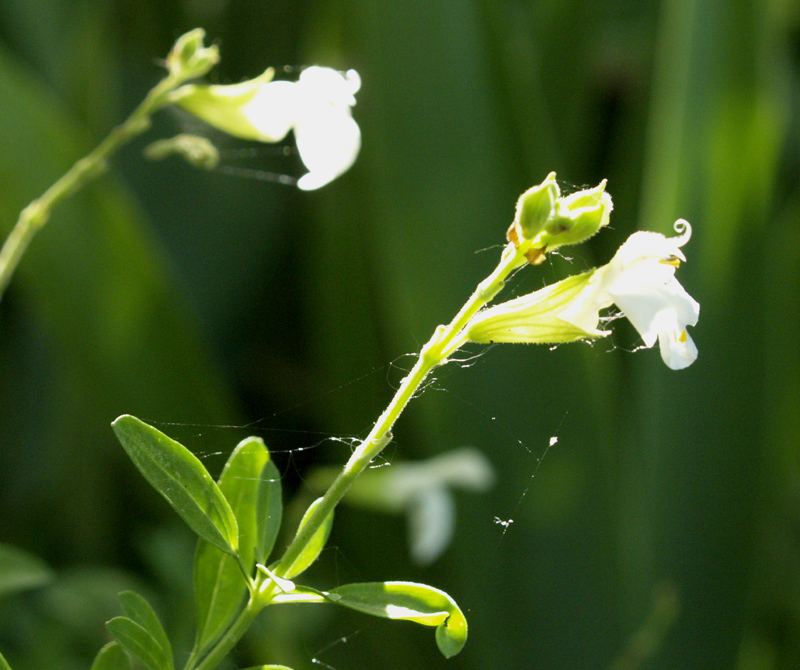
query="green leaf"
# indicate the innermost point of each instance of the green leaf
(181, 478)
(268, 667)
(5, 666)
(414, 602)
(110, 657)
(314, 546)
(218, 580)
(139, 611)
(139, 643)
(20, 570)
(269, 511)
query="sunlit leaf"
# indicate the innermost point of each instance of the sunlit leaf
(269, 510)
(219, 583)
(110, 657)
(181, 478)
(422, 604)
(20, 570)
(5, 666)
(314, 546)
(140, 612)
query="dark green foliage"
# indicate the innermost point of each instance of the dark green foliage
(210, 300)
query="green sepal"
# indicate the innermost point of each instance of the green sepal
(535, 207)
(577, 217)
(314, 546)
(269, 511)
(20, 570)
(189, 58)
(419, 603)
(180, 477)
(533, 318)
(110, 657)
(219, 583)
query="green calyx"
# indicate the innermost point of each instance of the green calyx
(224, 106)
(533, 318)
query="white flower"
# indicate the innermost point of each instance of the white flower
(318, 108)
(640, 280)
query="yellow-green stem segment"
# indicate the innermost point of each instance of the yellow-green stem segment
(36, 214)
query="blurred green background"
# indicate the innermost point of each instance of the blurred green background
(662, 530)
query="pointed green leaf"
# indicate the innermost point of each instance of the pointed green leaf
(269, 511)
(137, 641)
(181, 478)
(315, 545)
(415, 602)
(219, 583)
(110, 657)
(4, 664)
(139, 610)
(20, 570)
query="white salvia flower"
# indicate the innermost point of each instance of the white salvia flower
(318, 108)
(640, 280)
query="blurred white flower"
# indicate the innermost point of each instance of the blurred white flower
(640, 280)
(318, 108)
(422, 490)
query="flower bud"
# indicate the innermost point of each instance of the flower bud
(189, 58)
(534, 209)
(577, 217)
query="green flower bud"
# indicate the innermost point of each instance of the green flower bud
(534, 209)
(197, 151)
(577, 217)
(189, 58)
(534, 318)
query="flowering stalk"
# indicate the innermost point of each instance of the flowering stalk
(188, 59)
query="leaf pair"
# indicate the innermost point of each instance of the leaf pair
(140, 633)
(250, 483)
(237, 521)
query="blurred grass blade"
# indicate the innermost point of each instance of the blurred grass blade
(419, 603)
(269, 511)
(139, 611)
(5, 666)
(110, 657)
(137, 641)
(181, 478)
(20, 570)
(218, 581)
(315, 545)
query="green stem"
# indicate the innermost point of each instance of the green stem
(36, 214)
(445, 341)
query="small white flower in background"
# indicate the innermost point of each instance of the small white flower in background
(423, 490)
(318, 107)
(640, 280)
